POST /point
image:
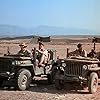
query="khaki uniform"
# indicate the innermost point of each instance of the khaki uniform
(78, 53)
(43, 56)
(25, 53)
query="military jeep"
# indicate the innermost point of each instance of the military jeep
(16, 69)
(84, 71)
(21, 70)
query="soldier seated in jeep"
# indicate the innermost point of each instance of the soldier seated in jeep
(78, 52)
(92, 54)
(42, 55)
(23, 50)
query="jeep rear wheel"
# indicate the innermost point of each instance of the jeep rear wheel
(93, 82)
(24, 79)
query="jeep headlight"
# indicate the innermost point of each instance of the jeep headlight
(85, 67)
(13, 63)
(63, 64)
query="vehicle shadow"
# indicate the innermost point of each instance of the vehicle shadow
(42, 86)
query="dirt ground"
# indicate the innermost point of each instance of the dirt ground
(41, 90)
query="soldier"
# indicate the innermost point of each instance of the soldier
(23, 50)
(79, 51)
(42, 55)
(92, 54)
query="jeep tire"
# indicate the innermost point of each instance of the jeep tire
(93, 82)
(24, 79)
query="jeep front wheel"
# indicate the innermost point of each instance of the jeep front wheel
(24, 79)
(93, 82)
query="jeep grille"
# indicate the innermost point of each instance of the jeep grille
(74, 69)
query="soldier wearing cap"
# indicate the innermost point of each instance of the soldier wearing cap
(23, 50)
(79, 51)
(42, 55)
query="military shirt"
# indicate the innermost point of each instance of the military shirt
(25, 53)
(78, 53)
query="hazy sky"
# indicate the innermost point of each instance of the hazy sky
(60, 13)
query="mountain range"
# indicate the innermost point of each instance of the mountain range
(11, 30)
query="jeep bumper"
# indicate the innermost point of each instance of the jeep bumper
(70, 78)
